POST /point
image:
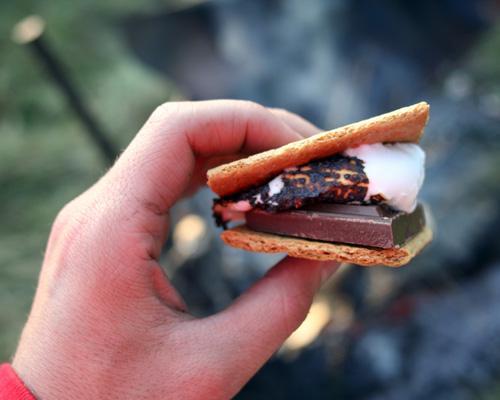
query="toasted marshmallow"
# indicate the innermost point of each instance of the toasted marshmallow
(395, 172)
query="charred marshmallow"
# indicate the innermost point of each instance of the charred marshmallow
(394, 171)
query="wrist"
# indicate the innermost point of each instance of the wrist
(51, 369)
(81, 368)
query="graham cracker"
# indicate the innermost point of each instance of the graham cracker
(247, 239)
(403, 125)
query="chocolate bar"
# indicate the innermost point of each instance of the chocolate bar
(374, 226)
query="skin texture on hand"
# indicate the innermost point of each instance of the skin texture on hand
(106, 323)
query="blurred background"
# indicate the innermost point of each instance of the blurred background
(78, 82)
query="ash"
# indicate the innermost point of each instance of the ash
(448, 349)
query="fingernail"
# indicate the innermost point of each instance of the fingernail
(328, 268)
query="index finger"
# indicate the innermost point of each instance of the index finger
(159, 163)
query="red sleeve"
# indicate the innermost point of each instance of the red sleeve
(11, 386)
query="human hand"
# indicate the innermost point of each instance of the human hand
(106, 323)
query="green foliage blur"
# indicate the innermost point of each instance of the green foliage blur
(45, 157)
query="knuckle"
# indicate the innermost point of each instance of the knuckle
(71, 223)
(161, 109)
(242, 105)
(165, 110)
(279, 110)
(64, 217)
(168, 115)
(64, 238)
(282, 113)
(252, 105)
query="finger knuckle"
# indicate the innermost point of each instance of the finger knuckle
(165, 110)
(241, 105)
(279, 110)
(252, 105)
(64, 237)
(64, 218)
(283, 114)
(72, 222)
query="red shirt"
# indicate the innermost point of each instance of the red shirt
(11, 386)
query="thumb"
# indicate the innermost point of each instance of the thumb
(259, 321)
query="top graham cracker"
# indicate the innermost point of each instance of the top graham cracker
(403, 125)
